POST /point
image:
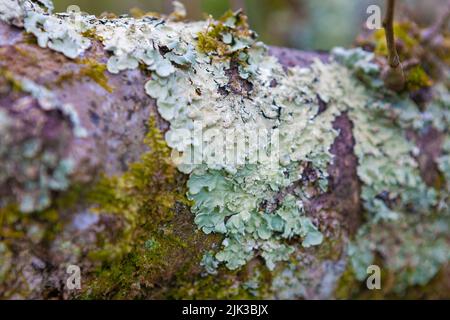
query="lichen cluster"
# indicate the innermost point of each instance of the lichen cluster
(38, 166)
(228, 197)
(214, 78)
(10, 11)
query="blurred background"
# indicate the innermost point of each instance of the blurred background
(303, 24)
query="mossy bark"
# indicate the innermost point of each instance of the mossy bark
(143, 243)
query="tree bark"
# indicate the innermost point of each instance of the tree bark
(114, 109)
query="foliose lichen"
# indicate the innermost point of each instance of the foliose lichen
(395, 197)
(41, 168)
(10, 11)
(214, 78)
(227, 196)
(49, 31)
(48, 101)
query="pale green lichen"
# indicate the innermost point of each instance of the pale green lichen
(238, 181)
(407, 220)
(10, 10)
(387, 166)
(210, 263)
(5, 260)
(414, 248)
(306, 278)
(61, 33)
(43, 169)
(361, 63)
(444, 160)
(227, 194)
(48, 101)
(135, 42)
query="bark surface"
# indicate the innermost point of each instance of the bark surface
(115, 110)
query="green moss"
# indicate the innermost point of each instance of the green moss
(133, 194)
(348, 285)
(405, 32)
(91, 69)
(96, 71)
(151, 244)
(234, 285)
(29, 38)
(220, 37)
(91, 34)
(210, 41)
(408, 37)
(421, 69)
(16, 85)
(417, 78)
(211, 287)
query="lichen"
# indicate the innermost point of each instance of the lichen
(230, 35)
(43, 167)
(48, 101)
(52, 32)
(166, 48)
(414, 255)
(10, 10)
(247, 131)
(407, 219)
(361, 63)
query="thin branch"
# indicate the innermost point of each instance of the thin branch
(393, 75)
(388, 24)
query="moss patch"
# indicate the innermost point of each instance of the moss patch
(157, 238)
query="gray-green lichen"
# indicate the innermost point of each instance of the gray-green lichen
(408, 221)
(10, 10)
(246, 130)
(413, 248)
(48, 101)
(61, 37)
(227, 195)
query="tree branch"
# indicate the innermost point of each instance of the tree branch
(388, 25)
(393, 76)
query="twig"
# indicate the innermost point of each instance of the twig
(388, 24)
(393, 75)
